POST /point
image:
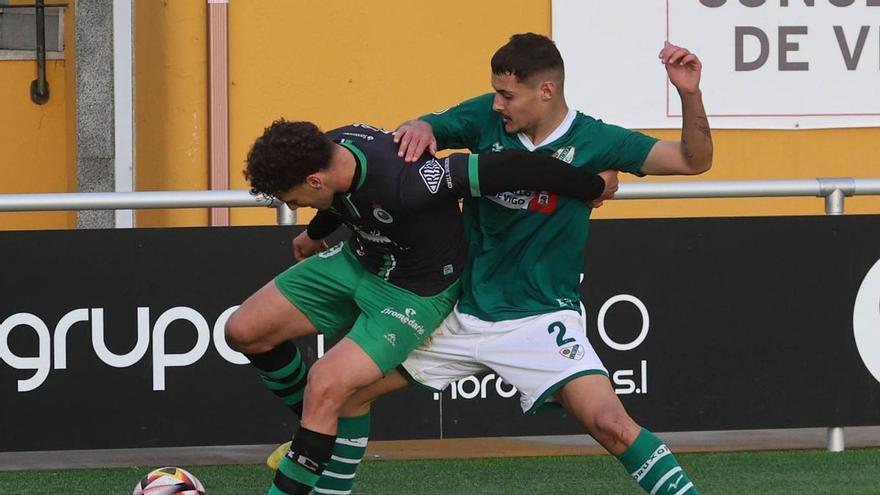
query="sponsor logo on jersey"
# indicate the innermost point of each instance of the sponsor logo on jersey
(575, 352)
(362, 136)
(369, 127)
(497, 147)
(432, 173)
(331, 252)
(448, 269)
(542, 201)
(406, 318)
(448, 173)
(515, 200)
(391, 338)
(372, 236)
(382, 215)
(565, 154)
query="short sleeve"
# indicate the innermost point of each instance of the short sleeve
(460, 126)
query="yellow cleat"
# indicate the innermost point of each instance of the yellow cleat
(275, 457)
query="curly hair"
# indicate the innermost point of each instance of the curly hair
(285, 155)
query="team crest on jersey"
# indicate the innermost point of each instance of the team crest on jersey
(575, 352)
(565, 154)
(382, 215)
(432, 174)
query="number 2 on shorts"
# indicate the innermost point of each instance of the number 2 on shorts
(560, 337)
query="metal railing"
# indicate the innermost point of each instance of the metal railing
(833, 190)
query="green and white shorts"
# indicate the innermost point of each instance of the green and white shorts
(338, 295)
(537, 354)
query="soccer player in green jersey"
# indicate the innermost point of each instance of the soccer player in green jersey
(519, 297)
(386, 289)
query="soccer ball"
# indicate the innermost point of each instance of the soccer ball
(169, 481)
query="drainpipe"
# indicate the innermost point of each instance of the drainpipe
(218, 103)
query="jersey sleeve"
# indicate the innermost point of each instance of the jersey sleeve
(463, 175)
(459, 126)
(323, 224)
(625, 149)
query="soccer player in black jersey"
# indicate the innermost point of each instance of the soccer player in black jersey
(387, 288)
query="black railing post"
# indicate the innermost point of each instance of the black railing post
(40, 87)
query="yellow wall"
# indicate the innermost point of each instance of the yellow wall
(37, 141)
(171, 105)
(335, 62)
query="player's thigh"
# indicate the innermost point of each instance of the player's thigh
(322, 287)
(264, 320)
(395, 321)
(541, 354)
(445, 357)
(359, 403)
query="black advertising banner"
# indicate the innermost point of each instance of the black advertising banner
(113, 338)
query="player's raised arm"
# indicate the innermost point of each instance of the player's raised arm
(693, 154)
(463, 175)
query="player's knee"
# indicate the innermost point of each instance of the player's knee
(242, 335)
(325, 391)
(613, 425)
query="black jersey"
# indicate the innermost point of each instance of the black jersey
(406, 218)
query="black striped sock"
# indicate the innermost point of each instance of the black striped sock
(284, 373)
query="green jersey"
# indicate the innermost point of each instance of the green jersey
(526, 248)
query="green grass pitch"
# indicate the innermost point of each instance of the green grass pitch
(852, 472)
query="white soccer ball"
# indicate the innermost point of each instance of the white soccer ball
(169, 481)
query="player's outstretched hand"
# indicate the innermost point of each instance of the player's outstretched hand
(413, 138)
(682, 66)
(611, 187)
(304, 246)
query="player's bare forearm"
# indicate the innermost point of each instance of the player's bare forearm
(696, 135)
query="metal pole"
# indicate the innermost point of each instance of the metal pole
(39, 87)
(834, 203)
(835, 191)
(836, 441)
(285, 215)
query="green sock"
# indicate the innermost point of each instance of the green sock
(348, 451)
(650, 462)
(284, 373)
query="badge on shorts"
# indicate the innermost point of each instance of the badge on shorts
(575, 352)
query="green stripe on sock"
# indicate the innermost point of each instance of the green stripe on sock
(651, 464)
(287, 370)
(273, 490)
(347, 428)
(355, 427)
(296, 472)
(341, 467)
(330, 483)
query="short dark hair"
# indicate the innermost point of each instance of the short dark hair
(285, 155)
(526, 55)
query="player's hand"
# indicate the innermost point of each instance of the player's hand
(682, 66)
(611, 187)
(413, 138)
(304, 246)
